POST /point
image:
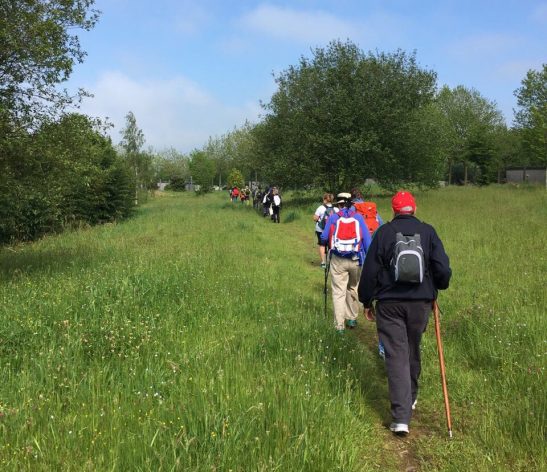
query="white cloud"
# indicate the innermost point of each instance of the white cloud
(303, 26)
(191, 18)
(479, 46)
(171, 113)
(516, 70)
(540, 14)
(374, 28)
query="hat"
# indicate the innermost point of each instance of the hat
(343, 197)
(403, 203)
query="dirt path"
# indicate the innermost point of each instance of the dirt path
(403, 450)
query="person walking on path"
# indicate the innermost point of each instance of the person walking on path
(320, 217)
(348, 239)
(404, 284)
(276, 205)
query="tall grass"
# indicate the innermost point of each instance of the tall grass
(192, 337)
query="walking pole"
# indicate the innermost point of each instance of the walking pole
(441, 362)
(327, 269)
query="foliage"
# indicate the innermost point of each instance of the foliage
(344, 115)
(470, 125)
(202, 169)
(235, 179)
(66, 172)
(170, 165)
(38, 50)
(139, 161)
(531, 118)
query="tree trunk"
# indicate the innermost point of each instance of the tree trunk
(465, 173)
(450, 172)
(136, 185)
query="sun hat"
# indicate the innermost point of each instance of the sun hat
(343, 197)
(403, 203)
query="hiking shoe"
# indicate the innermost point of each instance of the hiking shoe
(340, 331)
(323, 265)
(414, 404)
(400, 429)
(351, 324)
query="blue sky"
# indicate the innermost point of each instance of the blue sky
(193, 69)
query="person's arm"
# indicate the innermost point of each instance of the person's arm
(317, 215)
(326, 232)
(439, 264)
(369, 274)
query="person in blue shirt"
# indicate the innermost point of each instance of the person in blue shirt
(348, 238)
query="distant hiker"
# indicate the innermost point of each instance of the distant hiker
(257, 197)
(348, 239)
(246, 195)
(405, 267)
(267, 201)
(276, 205)
(367, 210)
(320, 217)
(235, 194)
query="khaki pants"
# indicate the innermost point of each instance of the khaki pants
(345, 274)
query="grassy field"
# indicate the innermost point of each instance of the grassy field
(192, 337)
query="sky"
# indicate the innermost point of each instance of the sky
(190, 70)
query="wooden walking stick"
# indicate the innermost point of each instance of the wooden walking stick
(441, 362)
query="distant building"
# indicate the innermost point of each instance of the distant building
(531, 175)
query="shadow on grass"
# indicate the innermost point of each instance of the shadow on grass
(28, 260)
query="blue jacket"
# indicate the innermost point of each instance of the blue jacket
(365, 236)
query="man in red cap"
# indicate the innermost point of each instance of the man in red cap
(405, 266)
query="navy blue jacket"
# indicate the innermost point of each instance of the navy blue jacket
(377, 282)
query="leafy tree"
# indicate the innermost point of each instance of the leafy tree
(132, 142)
(171, 165)
(471, 121)
(345, 115)
(202, 169)
(531, 117)
(38, 50)
(235, 179)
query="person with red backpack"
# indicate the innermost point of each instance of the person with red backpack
(367, 210)
(348, 239)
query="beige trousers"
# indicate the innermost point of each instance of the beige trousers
(345, 274)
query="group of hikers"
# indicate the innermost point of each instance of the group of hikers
(268, 200)
(394, 270)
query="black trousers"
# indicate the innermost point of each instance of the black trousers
(400, 325)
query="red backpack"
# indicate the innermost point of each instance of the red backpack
(369, 213)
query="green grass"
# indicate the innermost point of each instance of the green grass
(192, 337)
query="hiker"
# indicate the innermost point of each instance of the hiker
(267, 202)
(404, 285)
(373, 221)
(235, 194)
(246, 195)
(367, 210)
(348, 239)
(320, 217)
(276, 205)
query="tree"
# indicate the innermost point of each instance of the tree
(38, 51)
(202, 169)
(235, 179)
(470, 123)
(531, 117)
(344, 115)
(132, 142)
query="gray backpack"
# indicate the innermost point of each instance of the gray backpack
(407, 261)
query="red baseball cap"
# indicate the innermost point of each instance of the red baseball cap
(403, 203)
